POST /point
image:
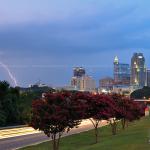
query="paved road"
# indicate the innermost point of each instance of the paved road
(12, 142)
(16, 131)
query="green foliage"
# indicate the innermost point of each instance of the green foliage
(2, 117)
(9, 96)
(15, 103)
(25, 102)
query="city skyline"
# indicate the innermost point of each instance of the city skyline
(46, 40)
(94, 71)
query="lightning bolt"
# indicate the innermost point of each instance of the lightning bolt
(9, 73)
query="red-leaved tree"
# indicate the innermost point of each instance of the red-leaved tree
(124, 105)
(55, 114)
(116, 112)
(99, 109)
(129, 110)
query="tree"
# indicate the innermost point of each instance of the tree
(137, 110)
(130, 111)
(123, 104)
(2, 117)
(27, 95)
(115, 112)
(96, 108)
(25, 104)
(9, 96)
(55, 114)
(125, 110)
(100, 105)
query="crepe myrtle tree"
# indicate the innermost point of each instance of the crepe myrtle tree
(131, 110)
(126, 109)
(137, 110)
(82, 102)
(54, 114)
(99, 109)
(115, 112)
(92, 107)
(124, 105)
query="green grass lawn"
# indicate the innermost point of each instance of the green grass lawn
(135, 137)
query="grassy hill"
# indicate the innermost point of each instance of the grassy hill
(135, 137)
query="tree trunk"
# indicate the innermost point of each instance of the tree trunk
(127, 123)
(95, 124)
(113, 127)
(123, 122)
(56, 141)
(96, 134)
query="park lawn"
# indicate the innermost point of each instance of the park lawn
(135, 137)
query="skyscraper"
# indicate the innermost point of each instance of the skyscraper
(82, 82)
(87, 83)
(121, 73)
(148, 77)
(78, 71)
(138, 70)
(75, 82)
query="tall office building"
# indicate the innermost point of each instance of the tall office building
(138, 70)
(75, 82)
(82, 82)
(87, 83)
(78, 71)
(121, 73)
(148, 77)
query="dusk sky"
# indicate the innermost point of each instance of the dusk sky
(44, 39)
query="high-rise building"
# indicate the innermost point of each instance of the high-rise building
(121, 73)
(87, 83)
(106, 83)
(75, 82)
(138, 70)
(148, 77)
(84, 83)
(78, 71)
